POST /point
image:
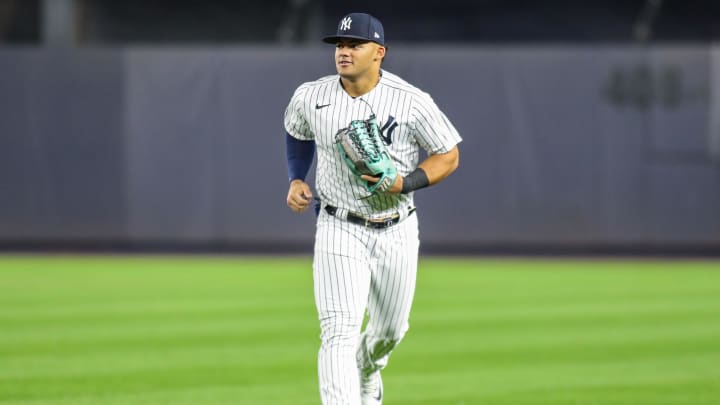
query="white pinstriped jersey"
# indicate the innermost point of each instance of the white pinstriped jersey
(409, 119)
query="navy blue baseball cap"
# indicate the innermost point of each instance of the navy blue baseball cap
(358, 26)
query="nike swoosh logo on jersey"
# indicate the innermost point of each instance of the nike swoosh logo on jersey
(318, 106)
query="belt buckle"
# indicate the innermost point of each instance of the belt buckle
(388, 222)
(382, 223)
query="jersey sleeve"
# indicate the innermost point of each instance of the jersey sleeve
(433, 130)
(295, 123)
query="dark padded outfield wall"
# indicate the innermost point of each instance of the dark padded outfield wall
(562, 146)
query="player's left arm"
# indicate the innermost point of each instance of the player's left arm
(439, 166)
(436, 134)
(434, 169)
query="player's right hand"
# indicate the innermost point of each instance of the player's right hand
(299, 196)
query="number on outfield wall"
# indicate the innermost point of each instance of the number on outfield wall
(642, 86)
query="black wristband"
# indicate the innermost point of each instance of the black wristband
(416, 180)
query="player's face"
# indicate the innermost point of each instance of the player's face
(354, 58)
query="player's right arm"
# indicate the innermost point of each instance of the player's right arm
(299, 159)
(300, 150)
(299, 196)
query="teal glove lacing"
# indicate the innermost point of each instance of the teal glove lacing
(360, 135)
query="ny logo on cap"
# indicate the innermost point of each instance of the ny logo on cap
(345, 23)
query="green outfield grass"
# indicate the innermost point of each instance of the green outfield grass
(207, 330)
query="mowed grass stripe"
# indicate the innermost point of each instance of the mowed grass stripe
(88, 327)
(291, 393)
(564, 384)
(115, 330)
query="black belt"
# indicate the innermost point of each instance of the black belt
(375, 223)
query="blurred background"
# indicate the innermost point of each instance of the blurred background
(589, 127)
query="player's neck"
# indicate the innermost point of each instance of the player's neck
(359, 86)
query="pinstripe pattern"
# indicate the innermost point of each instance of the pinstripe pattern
(358, 269)
(420, 124)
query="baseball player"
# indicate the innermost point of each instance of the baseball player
(366, 243)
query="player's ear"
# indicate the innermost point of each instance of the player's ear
(379, 53)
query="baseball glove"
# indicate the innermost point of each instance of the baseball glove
(364, 152)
